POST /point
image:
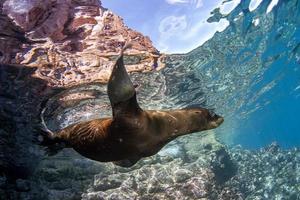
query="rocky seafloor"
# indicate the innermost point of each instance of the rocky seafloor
(193, 167)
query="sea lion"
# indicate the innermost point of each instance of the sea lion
(132, 133)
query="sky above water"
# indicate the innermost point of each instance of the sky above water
(174, 26)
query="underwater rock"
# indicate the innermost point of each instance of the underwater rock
(269, 173)
(20, 95)
(223, 166)
(211, 150)
(261, 174)
(174, 150)
(173, 178)
(95, 196)
(182, 175)
(70, 41)
(68, 175)
(2, 181)
(153, 181)
(22, 185)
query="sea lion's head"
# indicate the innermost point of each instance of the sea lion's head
(213, 119)
(204, 119)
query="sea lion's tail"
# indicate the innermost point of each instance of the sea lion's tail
(46, 137)
(51, 143)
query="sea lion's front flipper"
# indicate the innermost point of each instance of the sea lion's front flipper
(120, 89)
(127, 162)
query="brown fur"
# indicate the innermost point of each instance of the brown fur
(132, 136)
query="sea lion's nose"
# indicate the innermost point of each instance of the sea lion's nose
(220, 120)
(215, 121)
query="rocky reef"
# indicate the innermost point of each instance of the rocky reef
(192, 167)
(185, 169)
(70, 41)
(268, 173)
(216, 173)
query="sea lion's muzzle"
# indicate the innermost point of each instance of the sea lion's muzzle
(215, 121)
(219, 121)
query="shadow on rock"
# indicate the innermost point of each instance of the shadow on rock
(223, 166)
(21, 95)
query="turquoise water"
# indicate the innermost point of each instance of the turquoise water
(250, 73)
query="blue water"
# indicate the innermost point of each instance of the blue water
(257, 69)
(274, 96)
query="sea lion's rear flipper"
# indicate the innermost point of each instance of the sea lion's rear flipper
(120, 89)
(127, 162)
